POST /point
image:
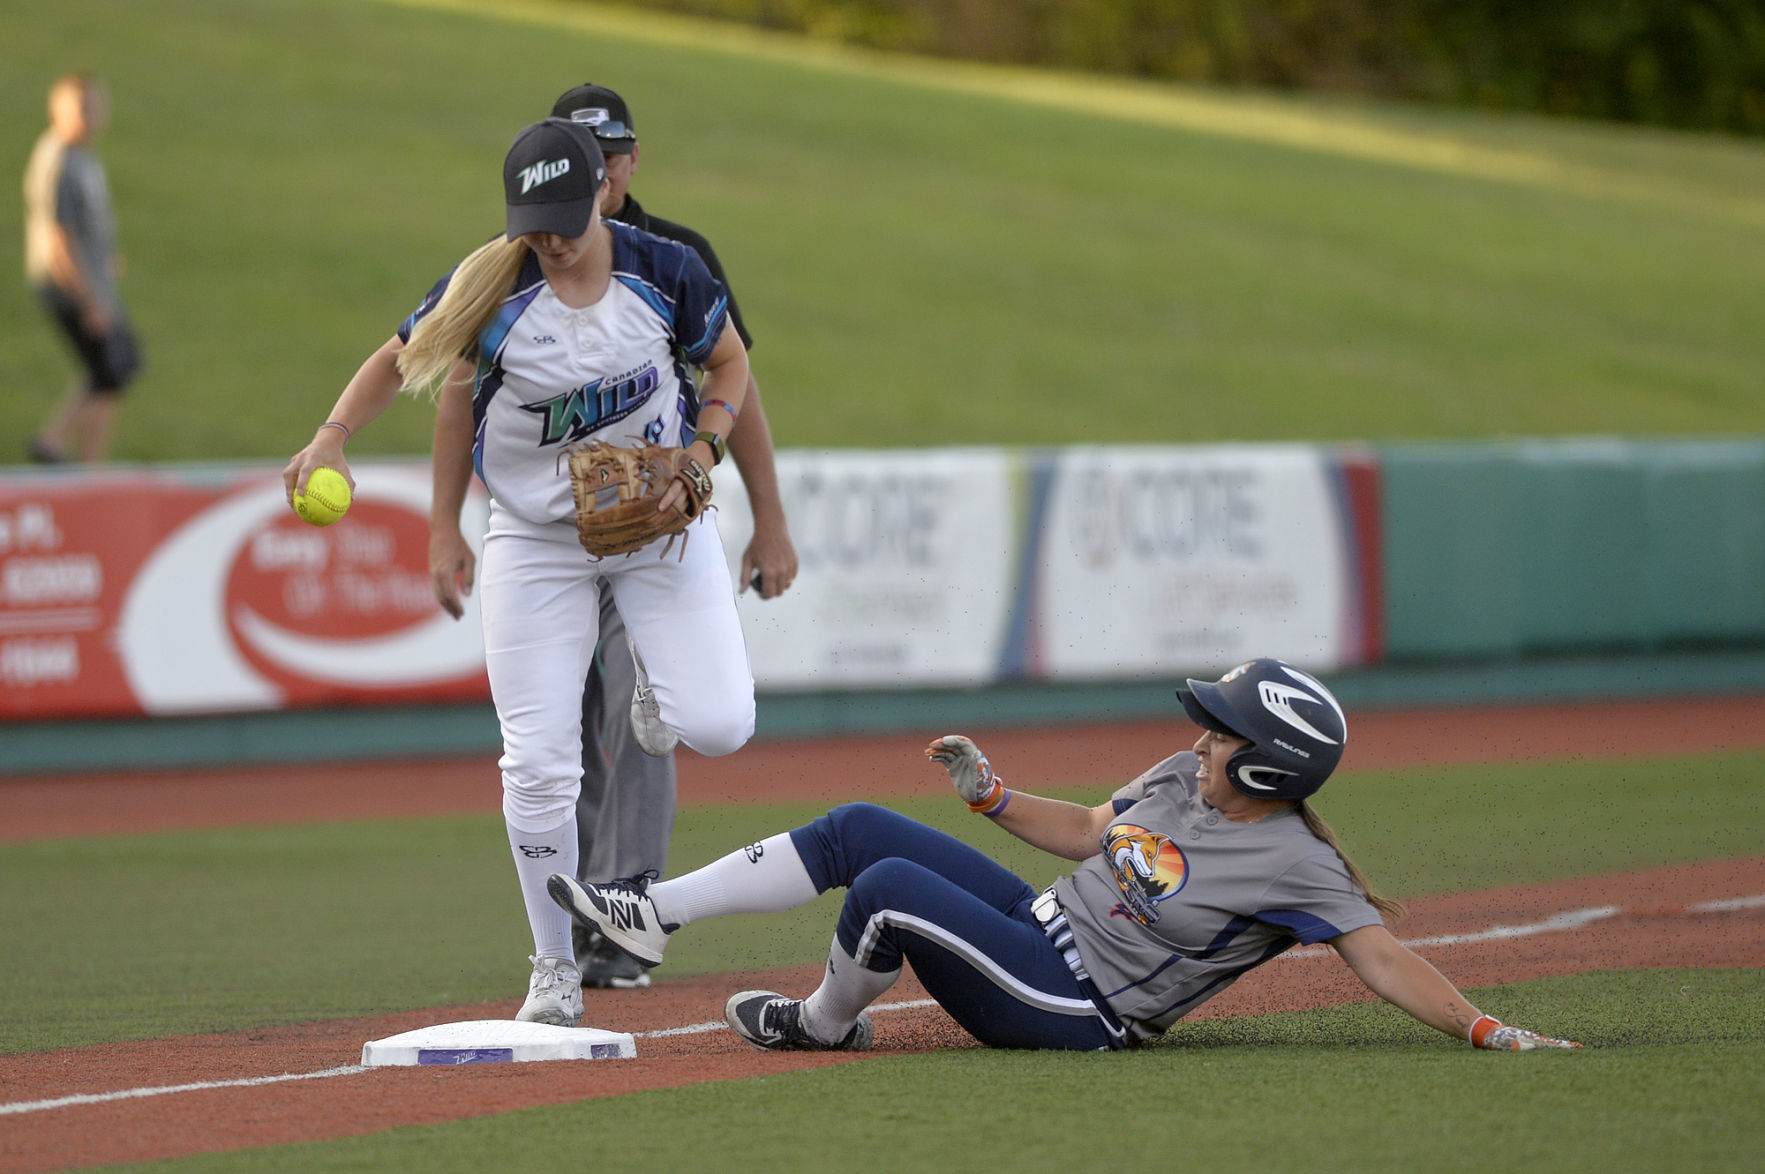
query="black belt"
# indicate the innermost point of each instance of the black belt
(1052, 918)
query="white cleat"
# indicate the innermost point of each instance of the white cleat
(554, 993)
(620, 909)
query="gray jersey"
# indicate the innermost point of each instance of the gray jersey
(1183, 900)
(65, 186)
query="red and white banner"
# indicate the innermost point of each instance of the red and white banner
(178, 591)
(184, 590)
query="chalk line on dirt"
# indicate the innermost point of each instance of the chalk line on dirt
(1556, 923)
(99, 1098)
(1569, 919)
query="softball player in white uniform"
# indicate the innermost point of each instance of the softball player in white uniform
(582, 329)
(1204, 867)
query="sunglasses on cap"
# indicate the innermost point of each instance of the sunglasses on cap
(595, 119)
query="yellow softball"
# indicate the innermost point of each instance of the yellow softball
(326, 498)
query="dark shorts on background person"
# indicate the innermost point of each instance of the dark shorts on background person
(112, 360)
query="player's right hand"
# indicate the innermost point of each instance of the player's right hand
(452, 566)
(1493, 1035)
(970, 771)
(327, 450)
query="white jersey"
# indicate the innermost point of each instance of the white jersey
(550, 376)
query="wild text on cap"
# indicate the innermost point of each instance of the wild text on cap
(543, 172)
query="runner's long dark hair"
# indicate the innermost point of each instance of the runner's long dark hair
(1389, 909)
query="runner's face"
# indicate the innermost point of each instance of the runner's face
(1215, 750)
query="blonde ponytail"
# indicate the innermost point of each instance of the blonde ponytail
(1315, 824)
(451, 329)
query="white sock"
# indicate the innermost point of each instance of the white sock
(846, 989)
(537, 856)
(767, 877)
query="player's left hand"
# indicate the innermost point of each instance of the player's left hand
(769, 564)
(1494, 1035)
(970, 771)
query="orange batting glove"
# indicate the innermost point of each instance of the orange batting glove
(1492, 1034)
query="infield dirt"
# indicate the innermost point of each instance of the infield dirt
(1643, 932)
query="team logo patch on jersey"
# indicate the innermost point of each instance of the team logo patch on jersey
(1147, 865)
(569, 417)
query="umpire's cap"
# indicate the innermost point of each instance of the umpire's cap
(552, 177)
(1295, 728)
(604, 112)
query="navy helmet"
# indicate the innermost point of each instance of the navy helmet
(1295, 728)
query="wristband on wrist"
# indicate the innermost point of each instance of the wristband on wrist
(717, 443)
(994, 805)
(1481, 1028)
(344, 428)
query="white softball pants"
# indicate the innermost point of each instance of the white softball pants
(540, 600)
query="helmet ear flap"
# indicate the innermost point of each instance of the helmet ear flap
(1261, 776)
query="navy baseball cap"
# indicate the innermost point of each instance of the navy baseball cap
(552, 177)
(604, 112)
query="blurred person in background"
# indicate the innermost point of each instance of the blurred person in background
(625, 812)
(72, 265)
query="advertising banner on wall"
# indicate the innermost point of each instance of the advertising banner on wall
(1169, 561)
(180, 591)
(196, 590)
(957, 567)
(907, 564)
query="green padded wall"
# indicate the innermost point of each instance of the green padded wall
(1547, 547)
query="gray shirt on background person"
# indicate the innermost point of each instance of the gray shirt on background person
(65, 185)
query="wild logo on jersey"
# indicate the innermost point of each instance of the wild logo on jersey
(1148, 867)
(569, 417)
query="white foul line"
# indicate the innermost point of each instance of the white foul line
(1571, 919)
(1729, 905)
(99, 1098)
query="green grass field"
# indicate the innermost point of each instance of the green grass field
(1344, 1090)
(925, 251)
(225, 930)
(136, 937)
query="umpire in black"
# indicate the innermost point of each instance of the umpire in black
(625, 815)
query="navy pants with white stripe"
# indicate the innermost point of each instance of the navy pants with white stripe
(961, 919)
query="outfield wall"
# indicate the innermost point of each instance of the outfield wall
(1023, 585)
(1501, 550)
